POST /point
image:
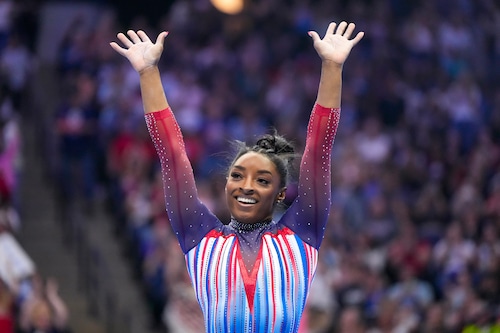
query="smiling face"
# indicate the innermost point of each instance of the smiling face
(253, 188)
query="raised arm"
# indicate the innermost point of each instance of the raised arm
(144, 55)
(333, 50)
(308, 214)
(190, 219)
(57, 304)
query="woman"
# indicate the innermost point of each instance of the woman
(254, 274)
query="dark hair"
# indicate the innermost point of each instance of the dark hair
(275, 147)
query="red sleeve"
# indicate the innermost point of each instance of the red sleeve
(308, 214)
(189, 217)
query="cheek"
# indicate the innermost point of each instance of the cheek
(227, 191)
(271, 198)
(228, 188)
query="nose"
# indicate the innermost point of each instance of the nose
(246, 190)
(246, 187)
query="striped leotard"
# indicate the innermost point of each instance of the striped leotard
(267, 293)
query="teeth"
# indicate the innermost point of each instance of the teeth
(246, 200)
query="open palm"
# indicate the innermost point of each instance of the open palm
(139, 49)
(336, 45)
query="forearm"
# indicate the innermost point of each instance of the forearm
(153, 94)
(60, 310)
(330, 85)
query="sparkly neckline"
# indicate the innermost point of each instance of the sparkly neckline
(246, 227)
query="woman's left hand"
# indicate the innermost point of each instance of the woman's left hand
(336, 45)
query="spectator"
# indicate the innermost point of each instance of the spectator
(44, 310)
(76, 129)
(351, 321)
(7, 309)
(16, 64)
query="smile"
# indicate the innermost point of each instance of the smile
(246, 200)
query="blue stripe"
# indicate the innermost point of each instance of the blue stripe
(228, 270)
(208, 308)
(241, 300)
(303, 257)
(263, 305)
(195, 268)
(282, 259)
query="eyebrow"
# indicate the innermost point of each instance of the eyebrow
(242, 168)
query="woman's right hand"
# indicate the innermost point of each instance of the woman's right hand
(139, 49)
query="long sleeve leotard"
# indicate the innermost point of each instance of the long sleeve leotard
(270, 294)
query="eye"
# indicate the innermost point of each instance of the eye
(263, 181)
(235, 175)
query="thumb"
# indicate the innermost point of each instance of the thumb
(314, 35)
(161, 37)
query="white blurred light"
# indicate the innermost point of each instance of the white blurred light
(228, 6)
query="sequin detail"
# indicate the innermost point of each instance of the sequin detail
(269, 296)
(247, 227)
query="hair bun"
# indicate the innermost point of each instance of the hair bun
(274, 144)
(267, 143)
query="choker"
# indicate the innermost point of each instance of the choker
(246, 227)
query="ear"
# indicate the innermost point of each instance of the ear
(281, 195)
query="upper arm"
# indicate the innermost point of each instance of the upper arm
(308, 214)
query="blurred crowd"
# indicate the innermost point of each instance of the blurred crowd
(413, 241)
(29, 302)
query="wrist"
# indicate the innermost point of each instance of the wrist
(331, 65)
(151, 69)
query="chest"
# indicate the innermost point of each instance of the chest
(281, 272)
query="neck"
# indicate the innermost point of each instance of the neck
(246, 227)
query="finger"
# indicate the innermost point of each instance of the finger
(118, 48)
(349, 30)
(341, 28)
(142, 35)
(314, 35)
(161, 37)
(133, 36)
(331, 28)
(358, 37)
(124, 39)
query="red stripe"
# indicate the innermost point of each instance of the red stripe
(250, 282)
